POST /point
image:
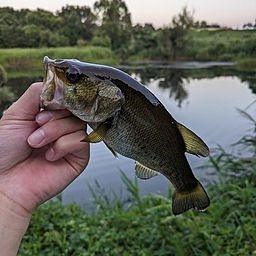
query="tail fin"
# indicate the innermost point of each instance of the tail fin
(197, 198)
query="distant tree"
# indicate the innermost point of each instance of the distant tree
(44, 20)
(78, 23)
(174, 39)
(203, 24)
(143, 36)
(115, 22)
(103, 41)
(43, 29)
(250, 25)
(32, 34)
(215, 25)
(11, 33)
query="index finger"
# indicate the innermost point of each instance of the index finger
(48, 115)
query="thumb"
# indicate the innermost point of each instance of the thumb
(27, 106)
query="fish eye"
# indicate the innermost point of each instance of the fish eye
(73, 75)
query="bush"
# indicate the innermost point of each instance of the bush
(103, 41)
(6, 98)
(3, 76)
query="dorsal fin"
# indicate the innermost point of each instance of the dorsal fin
(144, 172)
(194, 144)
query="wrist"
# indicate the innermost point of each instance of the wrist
(14, 221)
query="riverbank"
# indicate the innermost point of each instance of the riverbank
(147, 226)
(32, 58)
(18, 60)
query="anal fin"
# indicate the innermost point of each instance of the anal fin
(144, 172)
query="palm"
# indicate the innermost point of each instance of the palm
(25, 173)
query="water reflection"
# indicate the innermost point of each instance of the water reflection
(175, 80)
(168, 78)
(214, 94)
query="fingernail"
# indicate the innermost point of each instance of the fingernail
(50, 154)
(36, 138)
(43, 117)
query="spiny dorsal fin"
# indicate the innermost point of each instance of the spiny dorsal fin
(112, 150)
(144, 172)
(194, 144)
(98, 134)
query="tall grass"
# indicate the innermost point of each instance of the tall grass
(146, 226)
(224, 45)
(21, 58)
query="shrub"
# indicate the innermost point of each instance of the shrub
(3, 75)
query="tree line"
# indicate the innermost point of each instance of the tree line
(107, 23)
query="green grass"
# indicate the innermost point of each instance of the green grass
(146, 226)
(26, 58)
(247, 62)
(223, 45)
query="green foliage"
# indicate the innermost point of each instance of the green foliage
(33, 58)
(25, 28)
(246, 62)
(115, 25)
(108, 24)
(175, 38)
(3, 76)
(103, 41)
(6, 96)
(78, 23)
(222, 45)
(145, 225)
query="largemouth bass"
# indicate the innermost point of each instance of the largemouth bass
(131, 121)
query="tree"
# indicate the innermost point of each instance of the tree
(78, 23)
(115, 22)
(44, 20)
(250, 25)
(41, 29)
(11, 33)
(32, 34)
(174, 39)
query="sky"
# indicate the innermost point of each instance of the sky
(229, 13)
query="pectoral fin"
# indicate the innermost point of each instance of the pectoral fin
(99, 133)
(194, 144)
(144, 172)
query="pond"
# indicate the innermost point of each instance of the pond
(205, 99)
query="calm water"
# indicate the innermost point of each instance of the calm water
(205, 100)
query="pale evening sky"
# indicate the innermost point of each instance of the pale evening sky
(231, 13)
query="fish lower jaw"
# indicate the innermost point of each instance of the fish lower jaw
(51, 105)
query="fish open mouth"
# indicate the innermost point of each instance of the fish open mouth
(52, 92)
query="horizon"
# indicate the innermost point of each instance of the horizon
(229, 13)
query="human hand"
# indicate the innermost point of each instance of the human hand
(40, 152)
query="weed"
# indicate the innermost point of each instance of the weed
(145, 225)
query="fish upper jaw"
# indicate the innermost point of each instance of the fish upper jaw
(52, 91)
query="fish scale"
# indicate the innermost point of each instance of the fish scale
(131, 121)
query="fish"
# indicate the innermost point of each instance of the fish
(131, 121)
